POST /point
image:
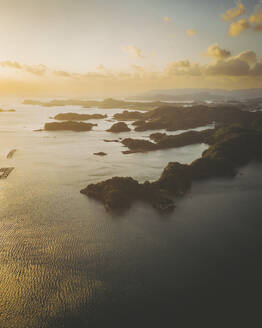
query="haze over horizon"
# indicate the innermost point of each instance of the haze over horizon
(131, 160)
(120, 48)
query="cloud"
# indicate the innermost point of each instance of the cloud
(230, 14)
(238, 27)
(243, 64)
(62, 74)
(257, 69)
(40, 70)
(247, 56)
(241, 70)
(167, 19)
(11, 64)
(217, 53)
(33, 69)
(253, 23)
(134, 51)
(256, 17)
(231, 67)
(183, 67)
(191, 32)
(36, 70)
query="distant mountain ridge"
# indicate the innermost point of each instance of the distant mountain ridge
(199, 94)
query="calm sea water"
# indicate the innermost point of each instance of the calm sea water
(65, 262)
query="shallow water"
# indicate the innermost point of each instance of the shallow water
(65, 262)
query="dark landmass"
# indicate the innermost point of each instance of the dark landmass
(190, 94)
(137, 145)
(11, 153)
(69, 125)
(5, 171)
(101, 153)
(78, 117)
(119, 193)
(254, 104)
(105, 104)
(233, 146)
(164, 141)
(196, 97)
(128, 116)
(181, 118)
(113, 140)
(119, 127)
(156, 137)
(139, 123)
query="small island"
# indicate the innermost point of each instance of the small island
(128, 116)
(232, 147)
(119, 127)
(11, 153)
(78, 117)
(101, 153)
(69, 125)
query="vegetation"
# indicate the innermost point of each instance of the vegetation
(163, 141)
(78, 117)
(119, 127)
(232, 146)
(181, 118)
(69, 125)
(105, 104)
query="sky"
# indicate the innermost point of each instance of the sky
(113, 47)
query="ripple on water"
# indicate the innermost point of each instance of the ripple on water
(61, 254)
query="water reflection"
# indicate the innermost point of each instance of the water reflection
(65, 262)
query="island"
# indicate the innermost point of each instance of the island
(128, 116)
(164, 141)
(117, 194)
(181, 118)
(101, 153)
(68, 125)
(78, 117)
(108, 103)
(5, 171)
(11, 153)
(119, 127)
(233, 146)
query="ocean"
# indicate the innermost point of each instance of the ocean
(66, 262)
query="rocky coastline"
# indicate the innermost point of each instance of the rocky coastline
(233, 146)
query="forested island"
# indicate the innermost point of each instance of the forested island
(235, 141)
(183, 118)
(79, 117)
(68, 125)
(105, 104)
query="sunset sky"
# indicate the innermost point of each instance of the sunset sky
(113, 47)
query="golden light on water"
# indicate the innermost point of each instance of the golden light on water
(64, 260)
